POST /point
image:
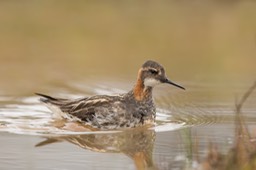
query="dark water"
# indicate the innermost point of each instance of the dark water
(79, 49)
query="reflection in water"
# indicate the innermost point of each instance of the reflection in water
(136, 144)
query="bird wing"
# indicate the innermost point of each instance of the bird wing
(83, 108)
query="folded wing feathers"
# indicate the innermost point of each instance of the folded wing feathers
(83, 107)
(87, 103)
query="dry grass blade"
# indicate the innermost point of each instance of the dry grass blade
(243, 155)
(240, 155)
(241, 129)
(239, 105)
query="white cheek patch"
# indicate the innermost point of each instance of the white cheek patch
(150, 82)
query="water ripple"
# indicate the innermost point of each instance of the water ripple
(28, 116)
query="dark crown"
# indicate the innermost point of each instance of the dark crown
(151, 64)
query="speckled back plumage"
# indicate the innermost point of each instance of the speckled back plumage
(107, 112)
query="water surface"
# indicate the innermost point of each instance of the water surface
(186, 122)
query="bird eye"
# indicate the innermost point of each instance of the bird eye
(152, 71)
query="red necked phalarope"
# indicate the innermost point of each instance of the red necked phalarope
(128, 110)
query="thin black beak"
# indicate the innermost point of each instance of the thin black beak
(174, 84)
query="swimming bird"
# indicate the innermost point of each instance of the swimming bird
(128, 110)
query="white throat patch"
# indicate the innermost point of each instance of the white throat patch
(150, 82)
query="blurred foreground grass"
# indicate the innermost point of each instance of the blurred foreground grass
(242, 156)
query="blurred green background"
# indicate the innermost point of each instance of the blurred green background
(47, 42)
